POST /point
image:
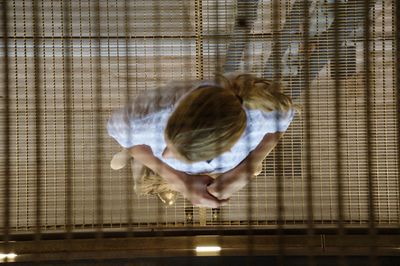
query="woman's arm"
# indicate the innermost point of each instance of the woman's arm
(234, 180)
(144, 155)
(192, 187)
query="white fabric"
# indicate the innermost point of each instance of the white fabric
(149, 130)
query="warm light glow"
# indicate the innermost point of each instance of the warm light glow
(11, 255)
(208, 249)
(8, 256)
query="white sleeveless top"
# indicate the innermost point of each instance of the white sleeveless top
(149, 130)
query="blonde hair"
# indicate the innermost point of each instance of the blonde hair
(210, 120)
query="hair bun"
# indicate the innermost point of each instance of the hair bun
(257, 93)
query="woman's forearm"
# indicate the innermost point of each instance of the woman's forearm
(257, 156)
(144, 155)
(192, 187)
(232, 181)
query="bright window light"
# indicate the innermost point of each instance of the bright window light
(208, 249)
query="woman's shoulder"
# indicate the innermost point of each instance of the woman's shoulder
(130, 131)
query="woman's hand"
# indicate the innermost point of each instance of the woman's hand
(224, 186)
(230, 182)
(196, 191)
(192, 187)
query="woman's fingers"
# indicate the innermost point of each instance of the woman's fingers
(212, 189)
(199, 193)
(214, 202)
(208, 200)
(216, 190)
(224, 202)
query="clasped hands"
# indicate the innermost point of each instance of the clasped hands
(204, 191)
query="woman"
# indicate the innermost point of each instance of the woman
(203, 139)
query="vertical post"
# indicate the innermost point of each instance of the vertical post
(217, 69)
(199, 38)
(38, 119)
(397, 51)
(368, 106)
(129, 181)
(308, 149)
(6, 128)
(98, 122)
(68, 117)
(156, 27)
(247, 14)
(337, 86)
(276, 35)
(186, 53)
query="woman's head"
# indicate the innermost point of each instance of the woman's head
(205, 123)
(210, 120)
